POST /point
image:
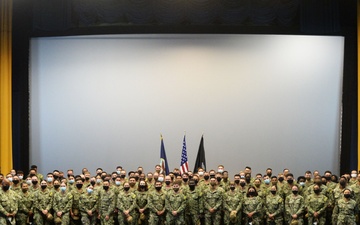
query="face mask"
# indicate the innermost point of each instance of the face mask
(103, 177)
(201, 173)
(43, 187)
(176, 174)
(21, 177)
(34, 182)
(185, 180)
(167, 182)
(251, 193)
(290, 181)
(122, 175)
(218, 179)
(89, 190)
(16, 181)
(281, 179)
(117, 183)
(192, 187)
(237, 181)
(49, 179)
(212, 175)
(132, 184)
(106, 188)
(56, 186)
(269, 174)
(176, 189)
(347, 195)
(63, 189)
(24, 190)
(220, 170)
(342, 183)
(257, 185)
(142, 186)
(113, 178)
(161, 179)
(316, 191)
(28, 182)
(87, 178)
(98, 181)
(273, 192)
(267, 181)
(158, 188)
(6, 187)
(79, 186)
(136, 178)
(242, 177)
(150, 179)
(302, 184)
(295, 192)
(10, 179)
(71, 181)
(206, 177)
(242, 184)
(92, 183)
(55, 177)
(353, 175)
(196, 181)
(328, 178)
(32, 175)
(232, 188)
(247, 179)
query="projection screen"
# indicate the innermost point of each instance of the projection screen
(259, 100)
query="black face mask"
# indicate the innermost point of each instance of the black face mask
(158, 188)
(79, 186)
(16, 181)
(185, 180)
(206, 177)
(247, 179)
(34, 182)
(136, 178)
(87, 178)
(122, 175)
(212, 176)
(281, 179)
(176, 174)
(273, 192)
(196, 181)
(237, 181)
(316, 191)
(5, 187)
(106, 188)
(251, 193)
(103, 177)
(269, 174)
(113, 178)
(347, 195)
(92, 183)
(56, 177)
(342, 183)
(218, 179)
(192, 187)
(56, 186)
(142, 186)
(126, 188)
(190, 177)
(290, 181)
(242, 184)
(43, 187)
(295, 192)
(328, 178)
(232, 188)
(167, 182)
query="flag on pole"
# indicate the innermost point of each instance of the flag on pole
(184, 165)
(200, 158)
(163, 159)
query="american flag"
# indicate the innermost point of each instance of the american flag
(184, 166)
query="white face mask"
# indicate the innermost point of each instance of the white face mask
(201, 173)
(353, 175)
(161, 179)
(21, 177)
(220, 170)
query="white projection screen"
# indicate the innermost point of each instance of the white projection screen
(259, 100)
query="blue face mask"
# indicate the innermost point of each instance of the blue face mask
(98, 181)
(49, 179)
(302, 184)
(267, 181)
(71, 181)
(118, 171)
(62, 189)
(89, 190)
(118, 183)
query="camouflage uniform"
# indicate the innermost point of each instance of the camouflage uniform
(107, 203)
(8, 204)
(25, 207)
(344, 212)
(316, 203)
(76, 193)
(126, 201)
(213, 199)
(88, 202)
(253, 204)
(175, 202)
(195, 206)
(63, 203)
(43, 200)
(294, 205)
(232, 202)
(156, 202)
(274, 204)
(142, 203)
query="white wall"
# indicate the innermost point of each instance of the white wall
(260, 100)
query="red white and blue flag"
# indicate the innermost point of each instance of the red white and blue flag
(184, 165)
